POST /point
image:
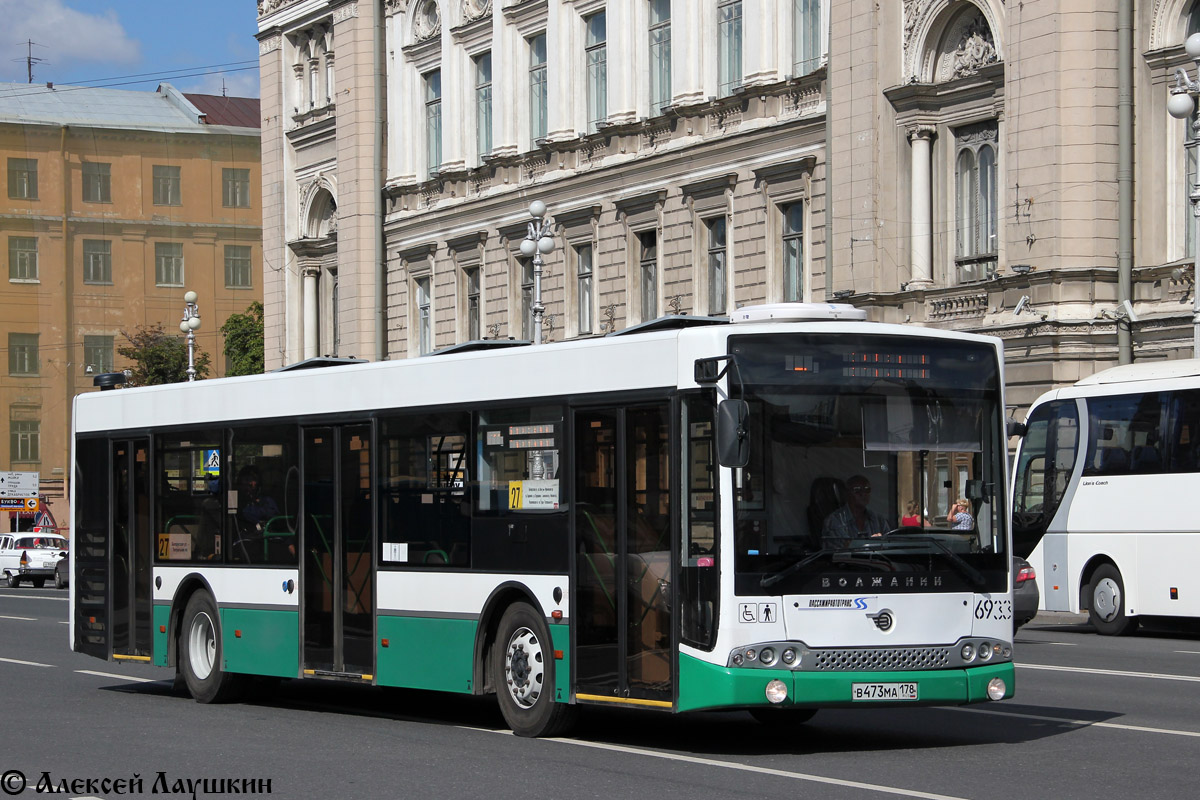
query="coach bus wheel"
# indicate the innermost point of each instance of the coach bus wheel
(200, 653)
(523, 673)
(782, 717)
(1107, 609)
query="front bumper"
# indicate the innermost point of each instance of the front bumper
(710, 686)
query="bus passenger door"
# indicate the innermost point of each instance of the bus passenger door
(131, 600)
(337, 589)
(623, 555)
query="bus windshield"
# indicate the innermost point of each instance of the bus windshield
(875, 463)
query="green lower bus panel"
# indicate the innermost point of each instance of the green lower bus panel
(424, 653)
(703, 685)
(560, 639)
(162, 624)
(261, 641)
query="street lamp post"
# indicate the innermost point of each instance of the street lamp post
(538, 241)
(1182, 105)
(189, 325)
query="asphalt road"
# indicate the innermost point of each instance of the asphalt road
(1092, 716)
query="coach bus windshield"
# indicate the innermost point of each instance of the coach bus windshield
(875, 463)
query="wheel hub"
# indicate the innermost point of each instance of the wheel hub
(1107, 599)
(522, 668)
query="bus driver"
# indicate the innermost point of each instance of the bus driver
(853, 520)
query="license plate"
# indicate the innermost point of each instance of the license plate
(883, 691)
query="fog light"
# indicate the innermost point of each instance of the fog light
(767, 656)
(789, 656)
(751, 654)
(968, 652)
(1007, 651)
(996, 689)
(737, 659)
(985, 651)
(777, 691)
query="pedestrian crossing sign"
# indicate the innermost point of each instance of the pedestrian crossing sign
(212, 462)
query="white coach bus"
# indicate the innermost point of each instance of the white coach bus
(635, 520)
(1104, 494)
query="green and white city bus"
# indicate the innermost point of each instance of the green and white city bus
(635, 520)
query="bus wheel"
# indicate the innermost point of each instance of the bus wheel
(200, 653)
(782, 717)
(1107, 609)
(523, 673)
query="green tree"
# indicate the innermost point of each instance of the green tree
(159, 357)
(244, 341)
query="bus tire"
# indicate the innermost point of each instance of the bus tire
(775, 717)
(523, 669)
(1107, 607)
(200, 653)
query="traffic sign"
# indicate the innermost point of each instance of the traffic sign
(18, 484)
(19, 504)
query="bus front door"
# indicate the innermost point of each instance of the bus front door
(337, 590)
(623, 555)
(131, 599)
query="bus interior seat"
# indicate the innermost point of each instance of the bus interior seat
(826, 496)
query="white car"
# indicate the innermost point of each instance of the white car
(30, 556)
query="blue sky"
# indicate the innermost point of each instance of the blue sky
(133, 44)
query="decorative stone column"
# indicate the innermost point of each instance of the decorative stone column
(311, 330)
(921, 138)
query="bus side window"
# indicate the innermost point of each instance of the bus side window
(1182, 439)
(425, 515)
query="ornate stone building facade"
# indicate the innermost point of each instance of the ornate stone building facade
(934, 161)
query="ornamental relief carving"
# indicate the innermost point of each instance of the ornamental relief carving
(427, 21)
(976, 49)
(966, 45)
(475, 9)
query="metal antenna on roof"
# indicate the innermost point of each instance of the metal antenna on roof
(223, 87)
(30, 59)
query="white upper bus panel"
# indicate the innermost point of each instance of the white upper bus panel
(797, 312)
(1144, 371)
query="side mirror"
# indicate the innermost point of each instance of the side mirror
(1014, 428)
(733, 433)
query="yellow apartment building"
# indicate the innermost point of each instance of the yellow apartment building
(115, 204)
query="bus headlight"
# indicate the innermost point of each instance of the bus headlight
(968, 652)
(789, 656)
(777, 691)
(985, 651)
(767, 656)
(996, 689)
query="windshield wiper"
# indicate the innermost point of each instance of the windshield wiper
(771, 580)
(975, 576)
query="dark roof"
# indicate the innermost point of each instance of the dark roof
(240, 112)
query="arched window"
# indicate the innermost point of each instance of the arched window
(975, 203)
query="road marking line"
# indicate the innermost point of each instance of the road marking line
(1189, 652)
(711, 762)
(35, 597)
(114, 675)
(1082, 723)
(26, 663)
(1121, 673)
(26, 619)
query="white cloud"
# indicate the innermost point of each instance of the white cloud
(68, 38)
